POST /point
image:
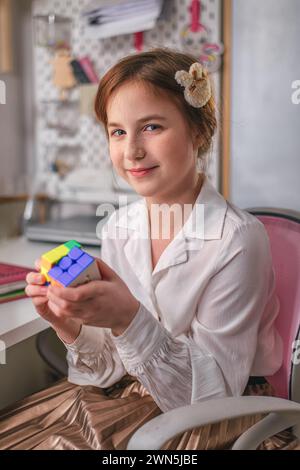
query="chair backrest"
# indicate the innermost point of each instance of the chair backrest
(283, 228)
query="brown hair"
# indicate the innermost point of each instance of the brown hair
(157, 68)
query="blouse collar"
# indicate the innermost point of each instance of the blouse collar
(205, 222)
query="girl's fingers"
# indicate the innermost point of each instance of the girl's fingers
(36, 291)
(42, 306)
(69, 308)
(57, 300)
(80, 293)
(38, 301)
(35, 278)
(59, 311)
(37, 264)
(54, 308)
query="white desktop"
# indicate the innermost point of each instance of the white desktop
(18, 318)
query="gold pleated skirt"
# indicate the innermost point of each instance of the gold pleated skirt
(72, 417)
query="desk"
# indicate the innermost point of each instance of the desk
(23, 371)
(18, 319)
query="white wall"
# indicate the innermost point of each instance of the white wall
(265, 159)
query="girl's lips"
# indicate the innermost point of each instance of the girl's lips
(142, 172)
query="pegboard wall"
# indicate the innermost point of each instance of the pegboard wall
(104, 53)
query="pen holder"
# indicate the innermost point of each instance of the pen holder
(52, 31)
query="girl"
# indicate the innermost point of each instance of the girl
(186, 306)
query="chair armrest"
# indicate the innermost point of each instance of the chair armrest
(155, 433)
(267, 427)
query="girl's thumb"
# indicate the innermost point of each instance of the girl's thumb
(105, 271)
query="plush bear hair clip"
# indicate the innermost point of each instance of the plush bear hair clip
(197, 87)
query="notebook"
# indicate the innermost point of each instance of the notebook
(12, 277)
(19, 294)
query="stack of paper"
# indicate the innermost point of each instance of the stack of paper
(107, 18)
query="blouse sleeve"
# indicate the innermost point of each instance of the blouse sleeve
(93, 358)
(214, 358)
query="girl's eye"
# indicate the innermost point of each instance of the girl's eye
(117, 130)
(152, 125)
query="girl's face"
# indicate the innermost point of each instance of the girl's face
(151, 145)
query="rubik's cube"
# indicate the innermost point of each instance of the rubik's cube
(68, 266)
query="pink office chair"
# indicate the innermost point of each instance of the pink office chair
(283, 228)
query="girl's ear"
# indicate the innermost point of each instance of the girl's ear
(197, 140)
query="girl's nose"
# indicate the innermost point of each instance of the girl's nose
(134, 153)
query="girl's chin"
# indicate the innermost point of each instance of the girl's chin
(145, 192)
(145, 188)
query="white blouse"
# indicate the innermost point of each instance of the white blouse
(206, 317)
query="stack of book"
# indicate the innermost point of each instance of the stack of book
(12, 282)
(107, 18)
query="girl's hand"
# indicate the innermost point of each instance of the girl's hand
(106, 303)
(68, 329)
